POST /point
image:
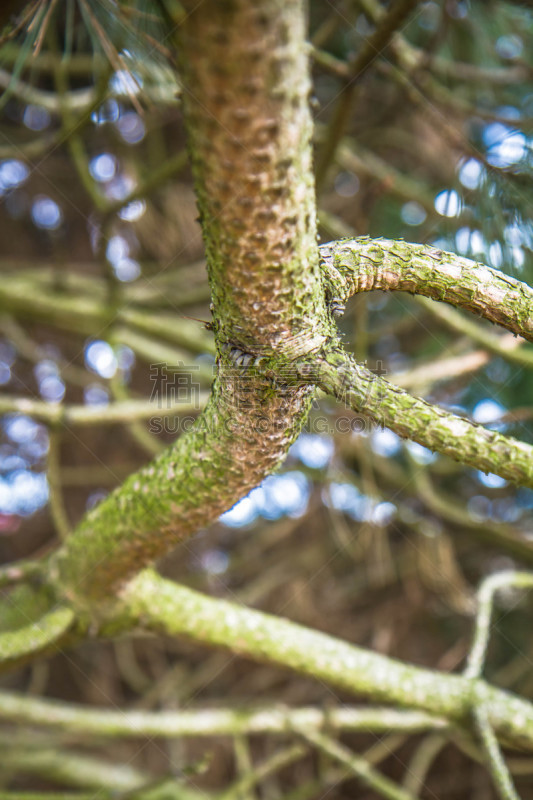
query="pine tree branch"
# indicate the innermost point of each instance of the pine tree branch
(35, 637)
(277, 719)
(360, 265)
(118, 412)
(250, 143)
(155, 604)
(413, 418)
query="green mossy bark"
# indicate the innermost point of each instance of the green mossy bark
(158, 605)
(245, 97)
(35, 637)
(245, 69)
(415, 419)
(360, 265)
(102, 722)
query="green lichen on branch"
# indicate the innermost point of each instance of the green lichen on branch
(250, 141)
(250, 144)
(277, 719)
(249, 138)
(35, 637)
(155, 604)
(413, 418)
(360, 265)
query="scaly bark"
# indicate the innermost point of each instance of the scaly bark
(360, 265)
(246, 88)
(163, 607)
(413, 418)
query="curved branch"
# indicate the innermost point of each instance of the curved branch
(82, 99)
(413, 418)
(158, 605)
(360, 265)
(250, 142)
(35, 637)
(78, 99)
(486, 595)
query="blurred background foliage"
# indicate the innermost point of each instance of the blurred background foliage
(361, 534)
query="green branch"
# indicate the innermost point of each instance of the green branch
(489, 588)
(36, 636)
(490, 745)
(158, 605)
(274, 719)
(81, 99)
(119, 412)
(360, 265)
(251, 158)
(413, 418)
(77, 100)
(493, 756)
(67, 768)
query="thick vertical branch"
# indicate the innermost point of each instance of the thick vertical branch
(246, 87)
(246, 100)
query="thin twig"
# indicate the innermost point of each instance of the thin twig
(494, 758)
(367, 775)
(487, 591)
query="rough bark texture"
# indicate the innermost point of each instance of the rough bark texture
(433, 427)
(360, 265)
(250, 143)
(246, 85)
(246, 88)
(163, 607)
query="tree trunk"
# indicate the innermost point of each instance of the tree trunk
(245, 97)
